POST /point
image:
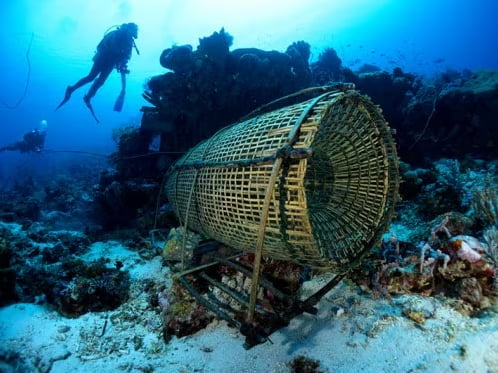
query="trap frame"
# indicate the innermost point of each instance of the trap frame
(313, 183)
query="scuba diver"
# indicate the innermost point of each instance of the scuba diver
(113, 51)
(32, 142)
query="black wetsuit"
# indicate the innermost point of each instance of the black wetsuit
(113, 51)
(32, 141)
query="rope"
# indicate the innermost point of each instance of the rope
(149, 154)
(28, 78)
(108, 155)
(429, 118)
(76, 152)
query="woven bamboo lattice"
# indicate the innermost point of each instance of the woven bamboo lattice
(326, 166)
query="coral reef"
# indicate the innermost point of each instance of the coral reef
(211, 87)
(439, 272)
(173, 248)
(62, 198)
(88, 287)
(450, 260)
(454, 118)
(7, 272)
(54, 274)
(449, 185)
(182, 314)
(122, 204)
(392, 91)
(19, 203)
(328, 68)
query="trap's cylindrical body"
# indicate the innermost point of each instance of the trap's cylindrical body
(334, 193)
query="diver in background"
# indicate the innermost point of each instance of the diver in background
(33, 141)
(113, 51)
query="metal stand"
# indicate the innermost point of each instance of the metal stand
(263, 322)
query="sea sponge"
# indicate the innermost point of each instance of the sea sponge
(467, 248)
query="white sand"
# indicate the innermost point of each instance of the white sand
(352, 332)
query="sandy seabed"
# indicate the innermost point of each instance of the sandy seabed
(352, 332)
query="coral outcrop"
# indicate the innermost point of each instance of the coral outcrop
(211, 87)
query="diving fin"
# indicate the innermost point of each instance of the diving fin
(90, 107)
(67, 96)
(118, 105)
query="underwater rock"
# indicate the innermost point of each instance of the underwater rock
(328, 68)
(21, 209)
(470, 290)
(12, 361)
(7, 274)
(418, 309)
(173, 249)
(216, 47)
(368, 68)
(392, 92)
(119, 203)
(453, 118)
(54, 254)
(133, 158)
(92, 287)
(481, 82)
(177, 58)
(40, 265)
(299, 53)
(74, 242)
(127, 196)
(304, 364)
(247, 63)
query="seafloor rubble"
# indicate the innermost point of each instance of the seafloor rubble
(443, 243)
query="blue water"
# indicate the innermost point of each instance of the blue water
(424, 37)
(48, 44)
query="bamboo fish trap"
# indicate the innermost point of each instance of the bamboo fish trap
(313, 183)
